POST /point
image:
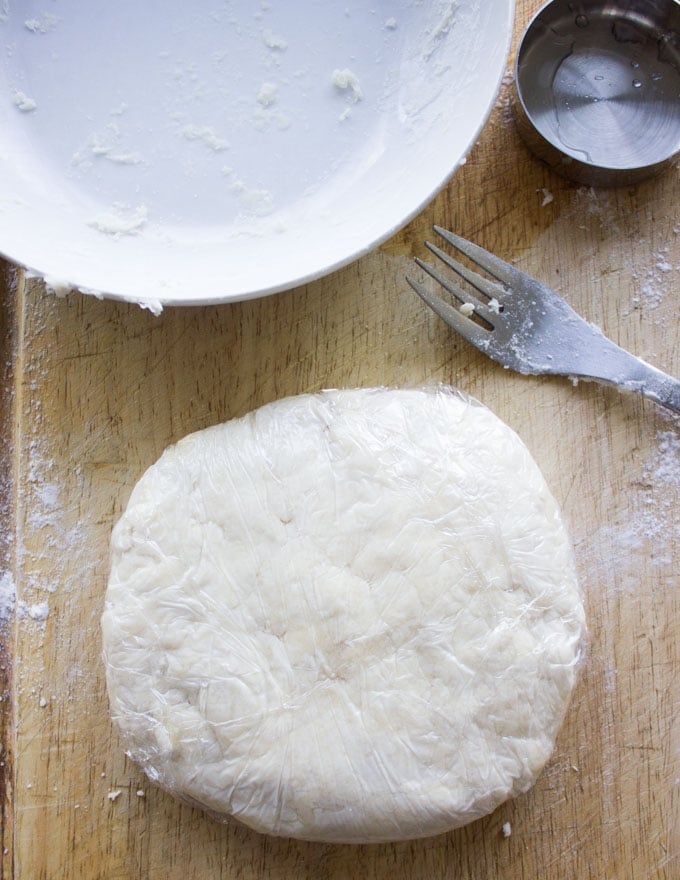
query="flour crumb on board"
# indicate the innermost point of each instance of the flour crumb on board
(155, 306)
(504, 99)
(38, 611)
(547, 197)
(57, 286)
(507, 829)
(114, 795)
(8, 597)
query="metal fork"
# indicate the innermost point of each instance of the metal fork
(527, 327)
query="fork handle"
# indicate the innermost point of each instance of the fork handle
(643, 378)
(661, 388)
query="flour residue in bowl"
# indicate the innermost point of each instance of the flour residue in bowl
(206, 135)
(119, 221)
(345, 80)
(23, 102)
(42, 24)
(318, 107)
(108, 144)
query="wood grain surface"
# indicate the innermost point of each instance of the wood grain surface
(95, 390)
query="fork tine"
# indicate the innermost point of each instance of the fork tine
(483, 285)
(452, 316)
(492, 264)
(463, 297)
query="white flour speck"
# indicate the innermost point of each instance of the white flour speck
(8, 596)
(37, 611)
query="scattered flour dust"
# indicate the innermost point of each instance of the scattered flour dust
(652, 523)
(660, 521)
(655, 282)
(8, 597)
(45, 552)
(37, 612)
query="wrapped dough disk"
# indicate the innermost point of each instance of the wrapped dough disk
(350, 616)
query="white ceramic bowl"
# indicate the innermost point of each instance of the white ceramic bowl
(181, 153)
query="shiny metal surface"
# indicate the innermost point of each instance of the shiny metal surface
(598, 88)
(525, 326)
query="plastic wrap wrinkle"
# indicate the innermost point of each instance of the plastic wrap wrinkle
(350, 616)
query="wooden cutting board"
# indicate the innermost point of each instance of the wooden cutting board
(94, 391)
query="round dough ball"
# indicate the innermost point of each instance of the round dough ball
(350, 616)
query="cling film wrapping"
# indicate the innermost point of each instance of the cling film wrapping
(351, 616)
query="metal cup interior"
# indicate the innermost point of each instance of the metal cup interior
(598, 88)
